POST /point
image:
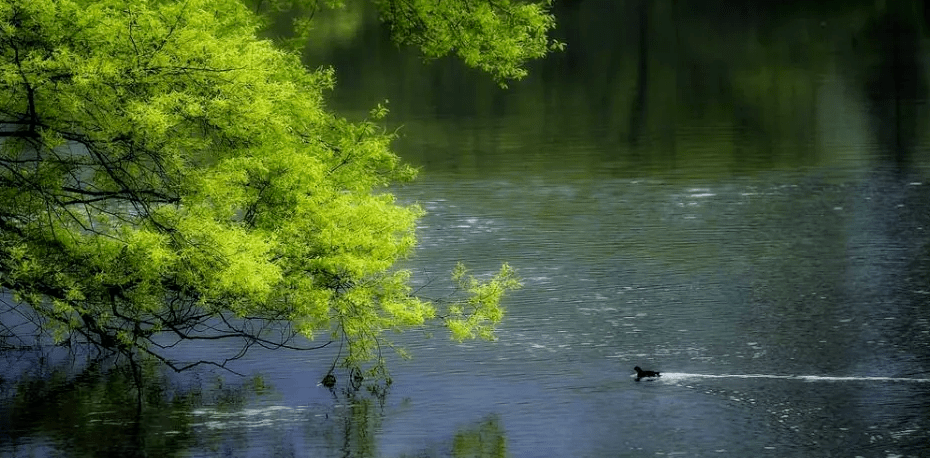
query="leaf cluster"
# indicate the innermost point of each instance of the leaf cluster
(496, 36)
(480, 311)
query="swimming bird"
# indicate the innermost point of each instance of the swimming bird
(641, 373)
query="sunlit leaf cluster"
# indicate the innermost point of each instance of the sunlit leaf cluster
(477, 315)
(497, 36)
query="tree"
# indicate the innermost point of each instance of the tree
(167, 176)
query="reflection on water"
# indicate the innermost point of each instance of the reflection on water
(50, 410)
(55, 410)
(738, 197)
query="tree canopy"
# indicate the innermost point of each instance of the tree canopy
(166, 175)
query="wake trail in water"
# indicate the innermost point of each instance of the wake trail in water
(674, 376)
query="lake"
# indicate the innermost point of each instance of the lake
(737, 197)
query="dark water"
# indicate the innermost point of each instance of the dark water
(738, 197)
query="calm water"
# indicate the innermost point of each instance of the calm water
(741, 199)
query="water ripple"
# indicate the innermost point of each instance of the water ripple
(678, 376)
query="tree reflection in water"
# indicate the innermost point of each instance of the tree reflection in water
(93, 412)
(55, 409)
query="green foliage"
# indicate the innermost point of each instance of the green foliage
(477, 315)
(163, 171)
(497, 36)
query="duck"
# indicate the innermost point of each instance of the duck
(640, 373)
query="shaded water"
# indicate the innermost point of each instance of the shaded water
(739, 198)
